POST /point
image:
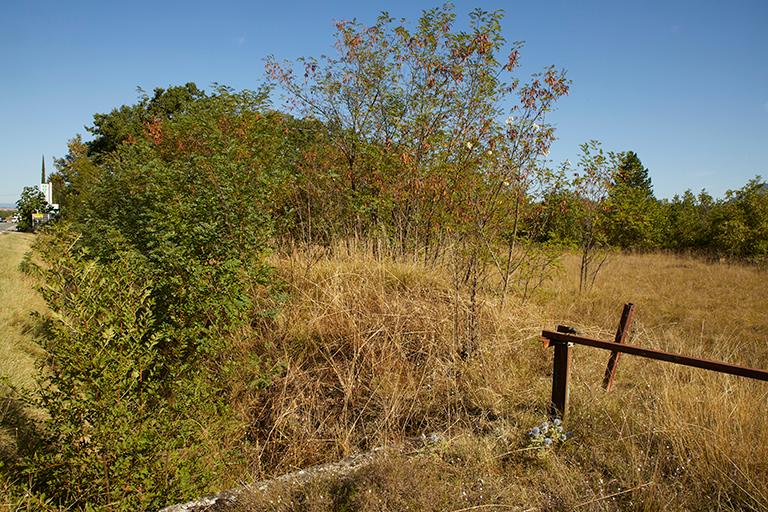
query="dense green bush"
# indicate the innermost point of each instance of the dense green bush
(123, 417)
(740, 223)
(146, 282)
(735, 226)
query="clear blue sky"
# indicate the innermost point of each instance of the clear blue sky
(682, 83)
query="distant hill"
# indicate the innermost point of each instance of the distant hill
(7, 206)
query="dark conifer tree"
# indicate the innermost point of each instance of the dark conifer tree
(632, 174)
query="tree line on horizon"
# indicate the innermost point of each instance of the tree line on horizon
(339, 185)
(414, 140)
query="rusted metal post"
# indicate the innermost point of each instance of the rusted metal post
(561, 368)
(621, 336)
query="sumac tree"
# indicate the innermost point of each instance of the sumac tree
(421, 121)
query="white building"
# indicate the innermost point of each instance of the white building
(47, 190)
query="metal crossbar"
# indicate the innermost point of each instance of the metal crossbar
(718, 366)
(565, 338)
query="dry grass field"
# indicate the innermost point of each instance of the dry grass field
(18, 350)
(366, 353)
(18, 299)
(371, 354)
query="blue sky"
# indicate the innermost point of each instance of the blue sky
(682, 83)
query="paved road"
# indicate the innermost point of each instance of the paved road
(7, 226)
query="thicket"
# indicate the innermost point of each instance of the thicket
(415, 141)
(157, 262)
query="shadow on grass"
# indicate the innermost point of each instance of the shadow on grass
(19, 434)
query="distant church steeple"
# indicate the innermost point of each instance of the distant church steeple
(42, 177)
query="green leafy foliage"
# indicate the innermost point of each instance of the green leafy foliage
(592, 184)
(121, 425)
(740, 223)
(688, 221)
(735, 226)
(147, 279)
(129, 123)
(198, 218)
(76, 176)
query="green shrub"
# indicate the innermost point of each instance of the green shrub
(123, 422)
(146, 284)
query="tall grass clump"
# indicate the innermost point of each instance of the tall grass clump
(370, 352)
(373, 352)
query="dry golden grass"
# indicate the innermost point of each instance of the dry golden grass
(18, 350)
(18, 298)
(366, 352)
(370, 353)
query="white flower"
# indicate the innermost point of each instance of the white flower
(536, 127)
(510, 121)
(469, 145)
